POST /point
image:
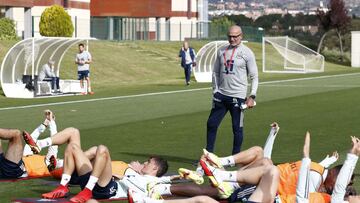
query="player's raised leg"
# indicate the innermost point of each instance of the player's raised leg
(36, 133)
(68, 135)
(243, 158)
(15, 147)
(101, 178)
(77, 168)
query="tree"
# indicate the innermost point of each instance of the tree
(267, 21)
(241, 20)
(56, 22)
(335, 18)
(7, 29)
(219, 27)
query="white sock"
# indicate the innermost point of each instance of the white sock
(44, 143)
(200, 171)
(163, 189)
(36, 133)
(65, 179)
(227, 161)
(89, 89)
(53, 128)
(91, 182)
(228, 176)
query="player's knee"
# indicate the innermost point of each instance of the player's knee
(257, 150)
(102, 150)
(74, 131)
(17, 135)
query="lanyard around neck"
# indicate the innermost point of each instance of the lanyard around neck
(231, 57)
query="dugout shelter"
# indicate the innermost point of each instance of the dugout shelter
(23, 62)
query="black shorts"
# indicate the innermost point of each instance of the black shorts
(83, 74)
(80, 180)
(105, 192)
(9, 169)
(242, 194)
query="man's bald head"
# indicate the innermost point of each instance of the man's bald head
(235, 35)
(235, 29)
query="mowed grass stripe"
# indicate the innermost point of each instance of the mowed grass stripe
(268, 83)
(331, 116)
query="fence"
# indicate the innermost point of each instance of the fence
(117, 28)
(160, 29)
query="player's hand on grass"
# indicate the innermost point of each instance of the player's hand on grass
(136, 166)
(250, 102)
(307, 145)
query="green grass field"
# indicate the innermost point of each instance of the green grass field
(172, 123)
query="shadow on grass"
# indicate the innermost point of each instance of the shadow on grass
(167, 157)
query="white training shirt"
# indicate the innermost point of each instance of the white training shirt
(188, 59)
(83, 56)
(138, 183)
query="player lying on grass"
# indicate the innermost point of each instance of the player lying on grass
(289, 179)
(18, 161)
(223, 179)
(266, 177)
(252, 157)
(96, 177)
(343, 179)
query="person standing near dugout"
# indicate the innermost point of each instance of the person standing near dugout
(187, 55)
(83, 60)
(233, 65)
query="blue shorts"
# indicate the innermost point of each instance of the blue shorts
(9, 169)
(105, 192)
(83, 74)
(80, 180)
(242, 194)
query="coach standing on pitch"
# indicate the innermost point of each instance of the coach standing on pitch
(233, 65)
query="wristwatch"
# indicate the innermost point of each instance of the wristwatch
(252, 97)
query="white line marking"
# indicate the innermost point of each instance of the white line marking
(103, 99)
(167, 92)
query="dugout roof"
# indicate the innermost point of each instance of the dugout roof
(27, 57)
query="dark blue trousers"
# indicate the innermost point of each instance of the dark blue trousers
(187, 71)
(221, 105)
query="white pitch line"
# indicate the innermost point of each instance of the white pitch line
(162, 93)
(102, 99)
